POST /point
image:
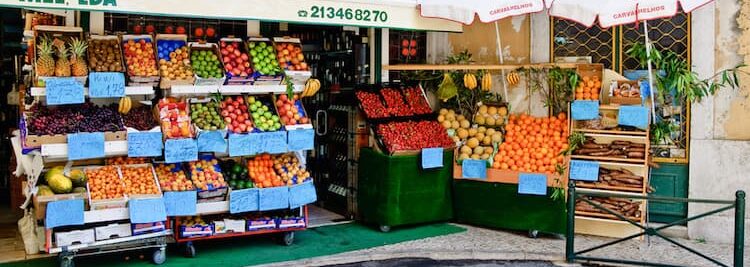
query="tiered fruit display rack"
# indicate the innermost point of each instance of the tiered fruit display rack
(598, 222)
(112, 221)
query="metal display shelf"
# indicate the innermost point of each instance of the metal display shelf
(231, 89)
(54, 152)
(156, 241)
(129, 90)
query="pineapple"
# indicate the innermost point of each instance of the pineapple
(78, 65)
(45, 64)
(62, 66)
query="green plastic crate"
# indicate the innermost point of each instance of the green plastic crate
(394, 190)
(498, 205)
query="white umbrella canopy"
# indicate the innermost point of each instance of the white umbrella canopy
(609, 12)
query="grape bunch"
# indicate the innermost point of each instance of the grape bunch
(141, 118)
(100, 119)
(70, 119)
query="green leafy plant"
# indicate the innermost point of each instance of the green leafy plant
(556, 85)
(678, 79)
(661, 131)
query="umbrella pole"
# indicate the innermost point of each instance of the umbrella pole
(650, 73)
(500, 59)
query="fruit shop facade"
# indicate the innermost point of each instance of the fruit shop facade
(714, 142)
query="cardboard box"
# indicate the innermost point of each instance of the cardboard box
(167, 83)
(153, 173)
(196, 231)
(288, 223)
(63, 239)
(296, 76)
(62, 32)
(114, 203)
(620, 88)
(147, 228)
(214, 49)
(116, 230)
(234, 226)
(90, 52)
(238, 80)
(261, 224)
(261, 79)
(36, 141)
(142, 80)
(40, 202)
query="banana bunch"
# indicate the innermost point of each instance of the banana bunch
(486, 82)
(125, 104)
(470, 81)
(311, 87)
(513, 78)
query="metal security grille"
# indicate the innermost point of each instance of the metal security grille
(570, 39)
(670, 34)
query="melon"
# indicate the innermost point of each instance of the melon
(44, 190)
(78, 178)
(60, 184)
(79, 190)
(53, 171)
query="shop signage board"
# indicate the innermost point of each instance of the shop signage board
(401, 14)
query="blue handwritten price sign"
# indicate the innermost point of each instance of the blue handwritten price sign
(474, 169)
(432, 158)
(180, 203)
(147, 210)
(273, 198)
(180, 150)
(302, 194)
(243, 200)
(303, 139)
(636, 116)
(584, 170)
(584, 110)
(61, 91)
(144, 144)
(532, 184)
(64, 213)
(106, 84)
(212, 141)
(243, 144)
(85, 146)
(273, 142)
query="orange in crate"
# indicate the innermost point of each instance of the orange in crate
(532, 144)
(588, 88)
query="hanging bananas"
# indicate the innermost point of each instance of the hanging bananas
(125, 104)
(470, 81)
(311, 87)
(513, 78)
(487, 82)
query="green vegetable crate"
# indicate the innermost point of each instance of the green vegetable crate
(395, 190)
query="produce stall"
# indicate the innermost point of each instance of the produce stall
(397, 176)
(131, 141)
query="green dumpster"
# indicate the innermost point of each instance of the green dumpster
(498, 205)
(395, 190)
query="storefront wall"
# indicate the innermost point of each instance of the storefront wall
(720, 125)
(720, 137)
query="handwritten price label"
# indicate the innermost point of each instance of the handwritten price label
(144, 144)
(62, 91)
(85, 146)
(636, 116)
(273, 142)
(585, 110)
(106, 84)
(243, 144)
(180, 150)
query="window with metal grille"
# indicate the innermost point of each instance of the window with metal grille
(609, 46)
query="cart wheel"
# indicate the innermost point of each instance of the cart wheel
(287, 239)
(66, 261)
(189, 250)
(385, 228)
(533, 233)
(159, 256)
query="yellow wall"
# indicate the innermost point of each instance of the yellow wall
(480, 39)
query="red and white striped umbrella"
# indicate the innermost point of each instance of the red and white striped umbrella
(609, 12)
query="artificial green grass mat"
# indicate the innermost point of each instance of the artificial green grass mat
(252, 250)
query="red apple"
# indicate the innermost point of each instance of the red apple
(150, 29)
(210, 32)
(181, 30)
(198, 32)
(169, 29)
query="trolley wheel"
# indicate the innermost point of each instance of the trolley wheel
(287, 239)
(66, 261)
(189, 250)
(533, 233)
(159, 256)
(385, 228)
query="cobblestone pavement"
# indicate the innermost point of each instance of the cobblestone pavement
(422, 262)
(486, 244)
